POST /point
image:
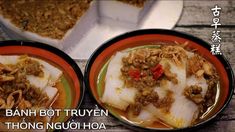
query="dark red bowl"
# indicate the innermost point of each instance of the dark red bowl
(149, 36)
(71, 80)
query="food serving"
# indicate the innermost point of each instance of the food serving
(36, 78)
(166, 84)
(27, 83)
(156, 79)
(138, 3)
(52, 18)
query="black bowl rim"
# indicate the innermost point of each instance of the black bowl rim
(199, 41)
(59, 53)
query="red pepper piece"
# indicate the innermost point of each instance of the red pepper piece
(157, 67)
(157, 71)
(134, 74)
(158, 74)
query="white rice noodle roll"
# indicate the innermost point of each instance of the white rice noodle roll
(189, 54)
(39, 82)
(161, 91)
(180, 72)
(181, 114)
(54, 72)
(182, 111)
(9, 59)
(52, 93)
(115, 94)
(144, 118)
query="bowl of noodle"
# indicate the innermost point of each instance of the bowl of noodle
(159, 79)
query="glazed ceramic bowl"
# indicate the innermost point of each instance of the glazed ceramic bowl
(71, 89)
(151, 36)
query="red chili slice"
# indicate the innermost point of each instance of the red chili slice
(157, 71)
(157, 67)
(134, 74)
(158, 74)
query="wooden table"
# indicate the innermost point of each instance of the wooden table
(196, 19)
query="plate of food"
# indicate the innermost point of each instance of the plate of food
(36, 76)
(70, 25)
(157, 79)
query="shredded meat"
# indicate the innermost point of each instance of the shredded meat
(24, 104)
(198, 66)
(31, 67)
(143, 99)
(145, 60)
(169, 75)
(16, 91)
(165, 102)
(142, 70)
(137, 3)
(175, 53)
(2, 104)
(147, 97)
(194, 93)
(142, 60)
(51, 18)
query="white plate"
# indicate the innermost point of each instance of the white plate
(163, 14)
(80, 42)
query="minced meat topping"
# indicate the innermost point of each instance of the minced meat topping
(142, 70)
(15, 89)
(137, 3)
(51, 18)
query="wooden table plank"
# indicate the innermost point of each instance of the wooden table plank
(219, 126)
(197, 12)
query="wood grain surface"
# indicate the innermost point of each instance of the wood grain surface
(196, 19)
